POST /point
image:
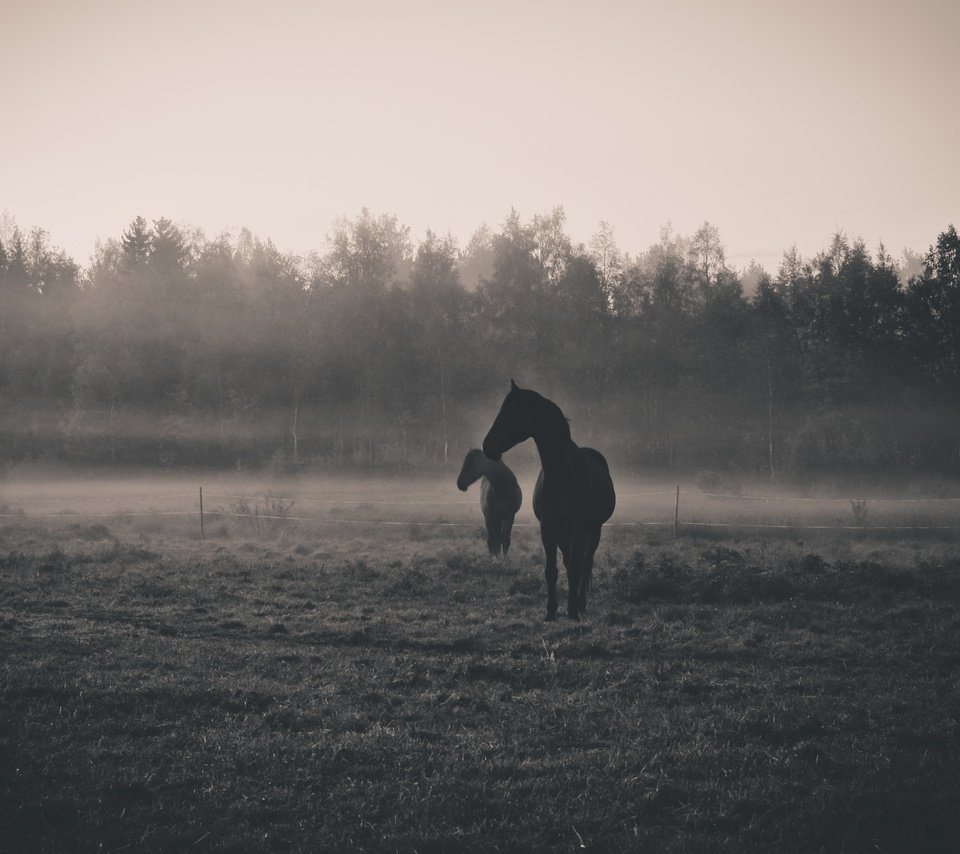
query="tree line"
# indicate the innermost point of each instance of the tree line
(173, 348)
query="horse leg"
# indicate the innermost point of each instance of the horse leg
(586, 568)
(550, 569)
(493, 534)
(573, 558)
(565, 553)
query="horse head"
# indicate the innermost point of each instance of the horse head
(512, 424)
(472, 469)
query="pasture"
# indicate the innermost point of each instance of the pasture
(341, 666)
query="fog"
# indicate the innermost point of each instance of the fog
(183, 353)
(318, 507)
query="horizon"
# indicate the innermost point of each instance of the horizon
(740, 263)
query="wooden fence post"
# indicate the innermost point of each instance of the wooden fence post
(676, 513)
(202, 535)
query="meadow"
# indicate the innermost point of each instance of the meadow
(338, 665)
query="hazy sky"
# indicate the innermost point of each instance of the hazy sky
(779, 122)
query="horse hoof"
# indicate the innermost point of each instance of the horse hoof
(550, 618)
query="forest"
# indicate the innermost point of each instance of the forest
(175, 349)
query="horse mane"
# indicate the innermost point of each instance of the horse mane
(554, 412)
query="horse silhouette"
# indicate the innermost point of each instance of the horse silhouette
(500, 496)
(574, 494)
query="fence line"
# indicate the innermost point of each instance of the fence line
(677, 523)
(817, 500)
(67, 498)
(93, 515)
(474, 524)
(465, 503)
(373, 501)
(824, 527)
(260, 497)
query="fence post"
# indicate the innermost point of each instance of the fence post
(202, 536)
(676, 513)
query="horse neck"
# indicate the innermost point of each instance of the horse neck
(555, 452)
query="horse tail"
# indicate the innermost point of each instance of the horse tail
(506, 527)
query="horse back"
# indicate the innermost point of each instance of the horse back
(603, 497)
(589, 493)
(500, 498)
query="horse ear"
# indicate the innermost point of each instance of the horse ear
(513, 386)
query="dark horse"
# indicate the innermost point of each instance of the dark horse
(500, 496)
(574, 493)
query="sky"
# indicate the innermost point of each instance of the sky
(780, 123)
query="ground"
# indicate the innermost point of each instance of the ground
(285, 686)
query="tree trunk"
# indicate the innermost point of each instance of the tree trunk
(443, 406)
(296, 444)
(770, 415)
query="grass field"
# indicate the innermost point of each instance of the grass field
(354, 685)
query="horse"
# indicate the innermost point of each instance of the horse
(500, 496)
(574, 494)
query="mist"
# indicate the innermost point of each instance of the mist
(175, 351)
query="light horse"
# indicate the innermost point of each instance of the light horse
(574, 494)
(500, 496)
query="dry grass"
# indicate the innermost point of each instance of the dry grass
(362, 688)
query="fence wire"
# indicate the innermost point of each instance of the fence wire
(425, 499)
